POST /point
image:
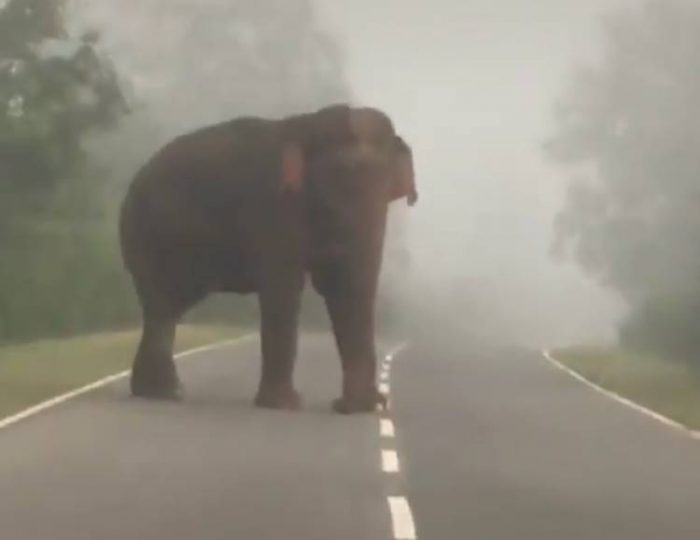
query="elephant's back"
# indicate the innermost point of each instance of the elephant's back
(197, 191)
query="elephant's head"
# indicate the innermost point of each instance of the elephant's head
(349, 164)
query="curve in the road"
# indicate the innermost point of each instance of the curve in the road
(621, 399)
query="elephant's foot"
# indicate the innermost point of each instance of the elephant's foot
(278, 397)
(367, 402)
(161, 383)
(165, 392)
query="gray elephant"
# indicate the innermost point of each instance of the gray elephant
(253, 205)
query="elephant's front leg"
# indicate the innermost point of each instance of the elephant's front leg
(280, 299)
(353, 326)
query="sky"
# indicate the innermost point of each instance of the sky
(472, 84)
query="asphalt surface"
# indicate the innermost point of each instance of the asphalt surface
(497, 444)
(493, 443)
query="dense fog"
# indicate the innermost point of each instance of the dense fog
(473, 85)
(480, 89)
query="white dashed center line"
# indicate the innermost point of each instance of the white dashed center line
(390, 461)
(386, 428)
(402, 519)
(401, 516)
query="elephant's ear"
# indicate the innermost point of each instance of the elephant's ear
(404, 181)
(292, 167)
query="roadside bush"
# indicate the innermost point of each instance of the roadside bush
(58, 279)
(667, 325)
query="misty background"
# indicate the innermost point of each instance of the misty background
(534, 127)
(472, 83)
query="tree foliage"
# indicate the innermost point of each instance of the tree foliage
(55, 88)
(630, 129)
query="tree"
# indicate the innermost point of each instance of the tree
(55, 88)
(630, 128)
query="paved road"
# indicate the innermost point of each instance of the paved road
(498, 445)
(492, 444)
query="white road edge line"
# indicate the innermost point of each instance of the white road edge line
(402, 519)
(386, 428)
(622, 400)
(384, 388)
(58, 400)
(390, 461)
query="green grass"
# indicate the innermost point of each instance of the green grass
(663, 386)
(36, 371)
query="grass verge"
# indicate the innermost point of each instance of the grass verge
(36, 371)
(667, 387)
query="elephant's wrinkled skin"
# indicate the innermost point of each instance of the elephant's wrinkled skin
(253, 205)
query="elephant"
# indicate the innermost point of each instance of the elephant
(257, 205)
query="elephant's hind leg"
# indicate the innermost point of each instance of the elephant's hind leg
(154, 374)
